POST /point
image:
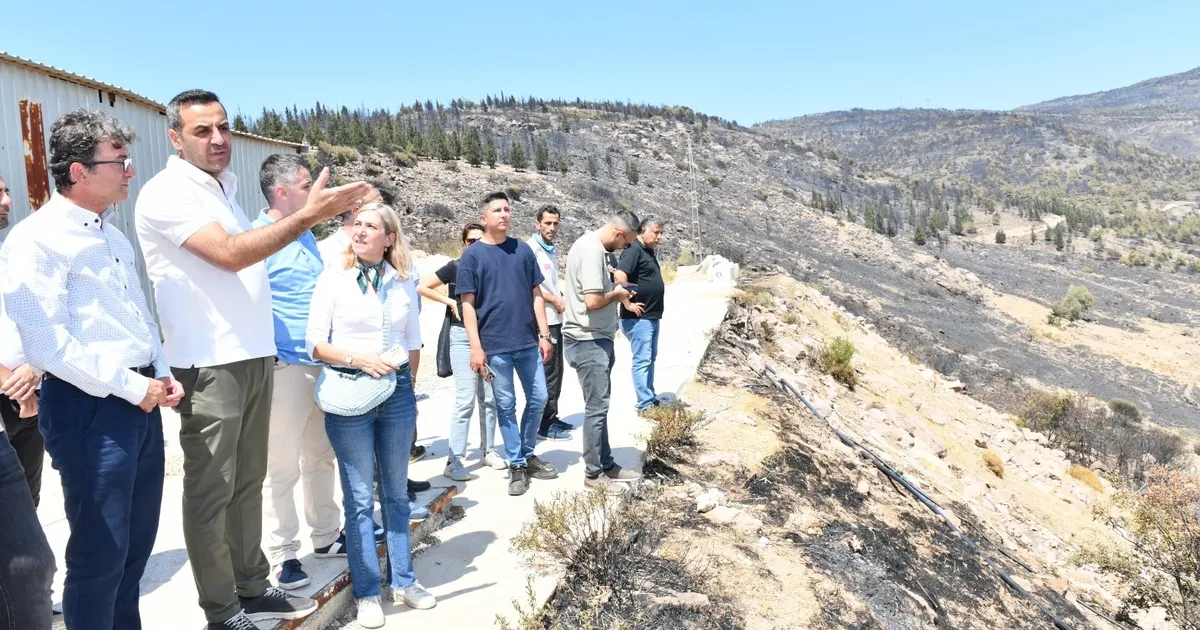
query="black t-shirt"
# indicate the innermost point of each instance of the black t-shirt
(641, 265)
(447, 274)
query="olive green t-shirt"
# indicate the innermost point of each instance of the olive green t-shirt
(587, 272)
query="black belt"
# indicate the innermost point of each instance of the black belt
(145, 370)
(400, 371)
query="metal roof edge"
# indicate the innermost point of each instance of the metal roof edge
(66, 75)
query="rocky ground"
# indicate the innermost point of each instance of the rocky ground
(784, 526)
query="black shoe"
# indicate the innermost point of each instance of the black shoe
(418, 486)
(416, 453)
(518, 480)
(335, 549)
(275, 604)
(540, 468)
(237, 622)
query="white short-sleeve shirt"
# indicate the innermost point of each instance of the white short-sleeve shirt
(209, 316)
(342, 315)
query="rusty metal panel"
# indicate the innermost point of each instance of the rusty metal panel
(34, 139)
(58, 92)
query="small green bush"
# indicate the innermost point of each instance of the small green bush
(674, 431)
(1001, 237)
(1072, 307)
(404, 159)
(834, 359)
(1134, 258)
(341, 156)
(513, 191)
(1124, 409)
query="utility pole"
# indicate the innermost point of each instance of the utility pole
(695, 201)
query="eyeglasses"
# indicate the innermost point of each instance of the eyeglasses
(126, 164)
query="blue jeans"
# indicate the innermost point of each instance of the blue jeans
(643, 340)
(109, 455)
(469, 389)
(26, 561)
(383, 435)
(527, 365)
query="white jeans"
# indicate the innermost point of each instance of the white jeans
(298, 450)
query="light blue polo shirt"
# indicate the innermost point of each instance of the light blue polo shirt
(292, 272)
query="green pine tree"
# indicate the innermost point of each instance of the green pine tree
(541, 156)
(560, 163)
(472, 151)
(489, 152)
(631, 172)
(517, 158)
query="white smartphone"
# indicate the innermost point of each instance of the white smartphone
(395, 355)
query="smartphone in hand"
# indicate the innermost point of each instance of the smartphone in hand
(628, 286)
(395, 356)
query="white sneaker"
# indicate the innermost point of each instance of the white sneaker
(370, 613)
(494, 460)
(454, 470)
(415, 596)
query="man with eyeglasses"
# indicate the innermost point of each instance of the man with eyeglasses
(73, 292)
(588, 332)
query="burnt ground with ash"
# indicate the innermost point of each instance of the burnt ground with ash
(884, 547)
(991, 354)
(637, 572)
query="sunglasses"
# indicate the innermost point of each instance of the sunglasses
(471, 240)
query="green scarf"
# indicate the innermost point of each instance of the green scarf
(371, 275)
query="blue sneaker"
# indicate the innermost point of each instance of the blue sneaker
(335, 549)
(291, 576)
(558, 432)
(417, 513)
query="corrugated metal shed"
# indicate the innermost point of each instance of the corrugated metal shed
(33, 96)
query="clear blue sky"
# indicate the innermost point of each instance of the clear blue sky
(747, 61)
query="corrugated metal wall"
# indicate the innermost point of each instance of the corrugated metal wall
(58, 96)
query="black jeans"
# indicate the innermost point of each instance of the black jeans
(554, 374)
(27, 441)
(26, 561)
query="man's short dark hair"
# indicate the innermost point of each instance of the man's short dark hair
(626, 220)
(76, 135)
(187, 99)
(386, 192)
(548, 209)
(468, 228)
(278, 170)
(651, 221)
(490, 197)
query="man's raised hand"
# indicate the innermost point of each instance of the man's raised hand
(324, 203)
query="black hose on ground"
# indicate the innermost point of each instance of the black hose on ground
(895, 476)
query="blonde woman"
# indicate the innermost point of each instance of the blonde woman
(346, 332)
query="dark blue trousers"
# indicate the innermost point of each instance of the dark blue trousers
(109, 455)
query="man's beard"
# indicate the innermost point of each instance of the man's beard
(4, 223)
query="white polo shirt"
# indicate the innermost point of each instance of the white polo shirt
(208, 316)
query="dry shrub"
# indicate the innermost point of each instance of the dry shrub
(993, 463)
(674, 431)
(340, 155)
(669, 271)
(1085, 476)
(834, 359)
(1163, 566)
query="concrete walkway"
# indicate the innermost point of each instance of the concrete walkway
(471, 568)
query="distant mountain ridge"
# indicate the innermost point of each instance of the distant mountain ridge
(1175, 92)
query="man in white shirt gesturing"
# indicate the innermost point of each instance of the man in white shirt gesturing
(214, 303)
(73, 292)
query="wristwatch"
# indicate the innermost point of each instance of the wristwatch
(545, 336)
(349, 359)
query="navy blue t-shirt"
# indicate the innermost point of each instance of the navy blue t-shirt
(502, 277)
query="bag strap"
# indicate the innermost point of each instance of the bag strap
(387, 316)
